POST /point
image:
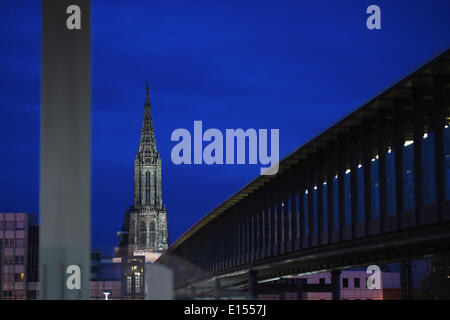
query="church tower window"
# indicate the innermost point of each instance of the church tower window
(147, 179)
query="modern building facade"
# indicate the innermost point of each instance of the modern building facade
(18, 256)
(106, 277)
(106, 290)
(144, 230)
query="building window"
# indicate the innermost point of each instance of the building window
(147, 179)
(129, 284)
(10, 225)
(357, 283)
(322, 281)
(95, 256)
(138, 283)
(19, 260)
(19, 277)
(20, 225)
(20, 295)
(147, 196)
(345, 282)
(8, 260)
(152, 233)
(143, 233)
(8, 277)
(9, 243)
(32, 295)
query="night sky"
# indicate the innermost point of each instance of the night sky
(299, 67)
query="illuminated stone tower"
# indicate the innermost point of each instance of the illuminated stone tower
(144, 229)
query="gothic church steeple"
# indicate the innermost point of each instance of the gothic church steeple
(145, 228)
(147, 145)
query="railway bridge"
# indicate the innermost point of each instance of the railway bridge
(373, 188)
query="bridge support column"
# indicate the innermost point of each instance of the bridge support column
(418, 131)
(252, 285)
(336, 283)
(300, 289)
(398, 141)
(406, 280)
(382, 178)
(217, 289)
(438, 123)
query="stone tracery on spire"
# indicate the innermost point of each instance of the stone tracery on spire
(147, 145)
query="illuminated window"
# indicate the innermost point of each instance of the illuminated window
(138, 284)
(129, 284)
(19, 277)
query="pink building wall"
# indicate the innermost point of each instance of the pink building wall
(390, 287)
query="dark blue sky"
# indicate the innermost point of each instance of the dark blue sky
(298, 66)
